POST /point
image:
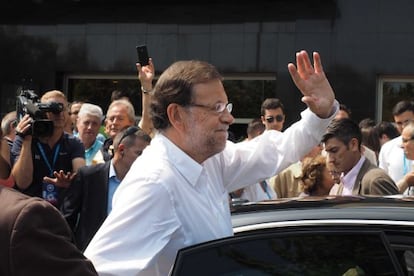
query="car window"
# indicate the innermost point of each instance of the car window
(405, 256)
(303, 253)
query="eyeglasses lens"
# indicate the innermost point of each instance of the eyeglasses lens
(278, 118)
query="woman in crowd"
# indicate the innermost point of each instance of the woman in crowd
(316, 179)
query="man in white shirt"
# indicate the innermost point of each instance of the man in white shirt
(407, 144)
(258, 191)
(176, 193)
(342, 142)
(391, 156)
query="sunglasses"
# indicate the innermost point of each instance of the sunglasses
(129, 131)
(279, 118)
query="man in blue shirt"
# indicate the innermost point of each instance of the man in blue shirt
(45, 165)
(88, 200)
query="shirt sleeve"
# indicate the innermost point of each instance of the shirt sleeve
(271, 152)
(382, 157)
(114, 252)
(16, 148)
(76, 147)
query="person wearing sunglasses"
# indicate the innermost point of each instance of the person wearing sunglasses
(88, 200)
(176, 193)
(273, 114)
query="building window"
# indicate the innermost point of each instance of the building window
(246, 92)
(391, 90)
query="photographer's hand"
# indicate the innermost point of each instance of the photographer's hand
(62, 179)
(23, 127)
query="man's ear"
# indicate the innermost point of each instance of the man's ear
(121, 149)
(176, 113)
(353, 144)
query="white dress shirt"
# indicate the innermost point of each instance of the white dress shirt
(168, 201)
(348, 180)
(257, 192)
(392, 159)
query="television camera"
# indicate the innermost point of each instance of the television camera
(28, 102)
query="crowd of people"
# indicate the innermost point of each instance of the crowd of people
(123, 202)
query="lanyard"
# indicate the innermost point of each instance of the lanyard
(55, 155)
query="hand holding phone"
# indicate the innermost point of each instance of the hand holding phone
(142, 52)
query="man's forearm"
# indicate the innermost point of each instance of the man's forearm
(146, 123)
(402, 185)
(23, 168)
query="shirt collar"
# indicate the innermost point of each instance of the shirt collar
(349, 179)
(95, 144)
(184, 164)
(112, 172)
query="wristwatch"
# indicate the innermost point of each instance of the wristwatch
(145, 91)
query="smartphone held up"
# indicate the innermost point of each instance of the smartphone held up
(143, 57)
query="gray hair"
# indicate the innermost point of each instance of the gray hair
(91, 110)
(6, 122)
(127, 104)
(410, 128)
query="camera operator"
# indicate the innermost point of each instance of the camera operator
(45, 164)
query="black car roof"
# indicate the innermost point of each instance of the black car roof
(325, 208)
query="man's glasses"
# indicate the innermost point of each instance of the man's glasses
(218, 107)
(129, 131)
(270, 119)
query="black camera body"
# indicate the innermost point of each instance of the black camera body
(28, 103)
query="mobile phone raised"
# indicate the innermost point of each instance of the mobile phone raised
(142, 52)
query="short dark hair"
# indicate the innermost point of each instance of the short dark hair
(403, 106)
(388, 129)
(370, 137)
(344, 130)
(129, 139)
(175, 85)
(255, 125)
(346, 109)
(119, 94)
(271, 103)
(366, 123)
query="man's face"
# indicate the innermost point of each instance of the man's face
(88, 127)
(205, 130)
(74, 110)
(342, 157)
(116, 120)
(342, 114)
(58, 119)
(408, 143)
(273, 119)
(402, 119)
(131, 153)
